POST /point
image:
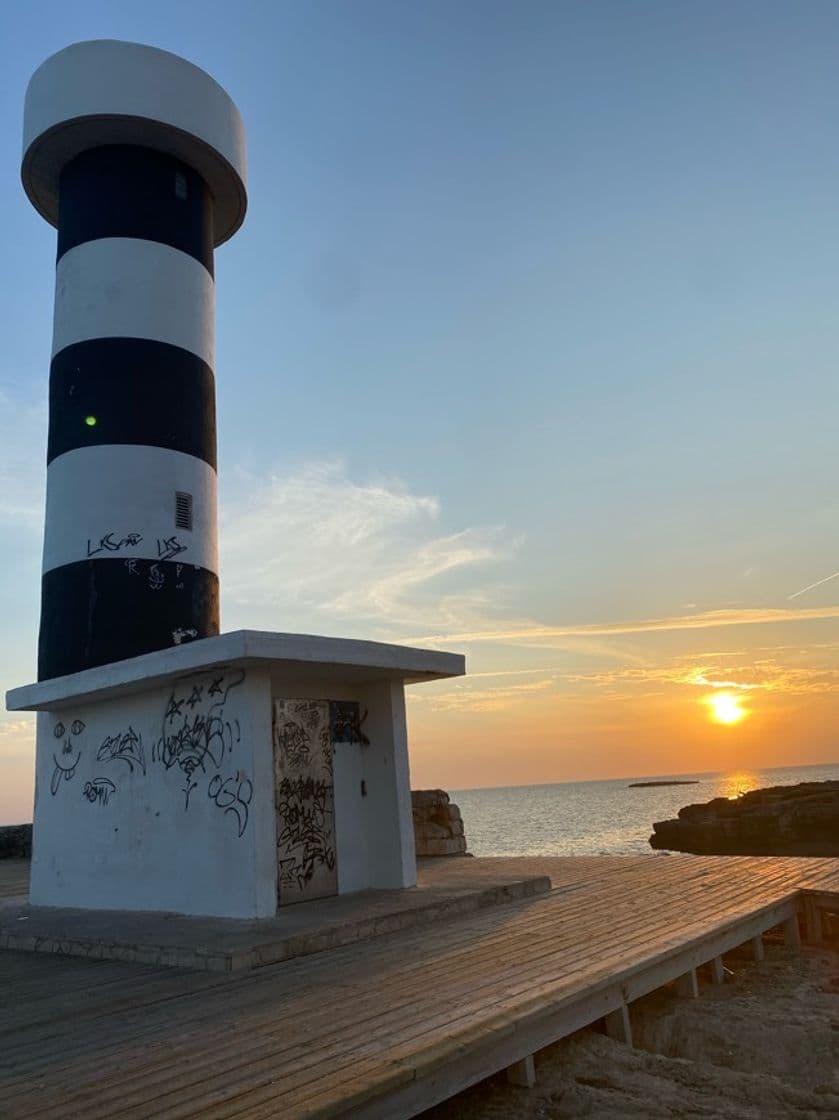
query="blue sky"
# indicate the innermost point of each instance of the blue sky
(532, 323)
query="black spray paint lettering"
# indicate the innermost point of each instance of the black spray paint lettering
(99, 790)
(233, 796)
(303, 806)
(195, 695)
(198, 740)
(125, 746)
(347, 722)
(169, 547)
(108, 544)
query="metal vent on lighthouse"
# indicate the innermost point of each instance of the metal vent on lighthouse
(183, 510)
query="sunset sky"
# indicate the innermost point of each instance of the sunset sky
(527, 349)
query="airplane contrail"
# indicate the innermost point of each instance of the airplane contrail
(810, 586)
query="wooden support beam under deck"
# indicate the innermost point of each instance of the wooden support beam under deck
(687, 985)
(813, 929)
(522, 1073)
(619, 1025)
(792, 934)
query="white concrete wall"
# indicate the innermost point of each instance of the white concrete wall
(159, 801)
(390, 836)
(164, 800)
(352, 818)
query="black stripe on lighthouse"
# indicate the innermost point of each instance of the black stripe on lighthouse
(123, 191)
(131, 390)
(132, 415)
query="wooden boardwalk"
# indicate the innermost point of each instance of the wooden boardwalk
(387, 1027)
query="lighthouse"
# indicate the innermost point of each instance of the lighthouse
(137, 157)
(177, 768)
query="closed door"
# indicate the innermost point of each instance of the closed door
(304, 797)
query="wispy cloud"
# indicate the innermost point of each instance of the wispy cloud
(17, 738)
(766, 675)
(546, 635)
(700, 677)
(318, 544)
(812, 586)
(465, 699)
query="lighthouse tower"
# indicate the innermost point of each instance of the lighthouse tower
(138, 158)
(174, 764)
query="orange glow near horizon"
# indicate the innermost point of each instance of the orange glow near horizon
(726, 708)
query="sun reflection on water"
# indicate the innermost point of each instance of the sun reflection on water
(741, 781)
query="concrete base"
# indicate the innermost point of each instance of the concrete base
(226, 777)
(445, 889)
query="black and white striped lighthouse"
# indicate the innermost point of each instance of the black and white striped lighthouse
(138, 158)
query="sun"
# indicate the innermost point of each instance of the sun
(725, 707)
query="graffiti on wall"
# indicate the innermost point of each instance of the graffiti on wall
(66, 758)
(304, 799)
(111, 543)
(306, 832)
(198, 740)
(198, 733)
(99, 790)
(233, 796)
(125, 746)
(346, 722)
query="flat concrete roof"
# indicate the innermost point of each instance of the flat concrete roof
(293, 656)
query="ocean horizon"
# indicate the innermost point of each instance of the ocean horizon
(604, 816)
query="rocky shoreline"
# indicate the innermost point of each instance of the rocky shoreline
(800, 820)
(15, 841)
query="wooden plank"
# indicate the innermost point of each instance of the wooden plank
(466, 957)
(552, 935)
(247, 1103)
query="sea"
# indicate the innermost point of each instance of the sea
(603, 817)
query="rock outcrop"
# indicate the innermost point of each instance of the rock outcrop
(16, 841)
(438, 827)
(800, 820)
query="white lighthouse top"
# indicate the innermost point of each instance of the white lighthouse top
(110, 92)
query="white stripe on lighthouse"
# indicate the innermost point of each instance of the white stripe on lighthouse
(124, 287)
(117, 502)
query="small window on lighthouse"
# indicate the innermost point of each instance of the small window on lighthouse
(180, 185)
(183, 510)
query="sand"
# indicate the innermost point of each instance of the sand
(764, 1046)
